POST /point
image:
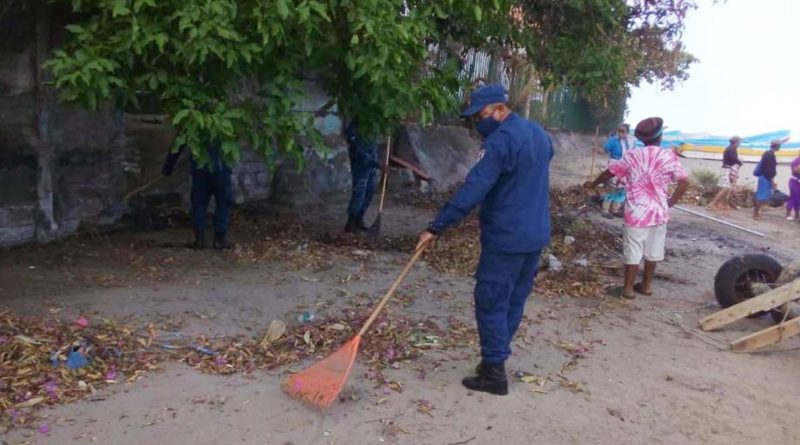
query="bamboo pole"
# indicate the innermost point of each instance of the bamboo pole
(723, 222)
(594, 150)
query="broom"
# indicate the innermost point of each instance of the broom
(121, 205)
(375, 228)
(321, 383)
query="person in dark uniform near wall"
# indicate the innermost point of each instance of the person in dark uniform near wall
(364, 166)
(511, 183)
(211, 179)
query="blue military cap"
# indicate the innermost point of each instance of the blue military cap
(483, 96)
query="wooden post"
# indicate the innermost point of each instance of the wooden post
(545, 106)
(594, 150)
(763, 302)
(767, 336)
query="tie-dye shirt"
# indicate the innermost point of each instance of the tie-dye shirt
(647, 172)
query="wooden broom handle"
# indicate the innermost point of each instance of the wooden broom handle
(150, 182)
(386, 173)
(389, 294)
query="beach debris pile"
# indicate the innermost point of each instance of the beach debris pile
(570, 266)
(39, 368)
(703, 188)
(45, 361)
(392, 338)
(299, 246)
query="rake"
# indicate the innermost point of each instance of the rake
(375, 228)
(321, 383)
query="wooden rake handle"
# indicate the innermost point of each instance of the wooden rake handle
(389, 294)
(386, 173)
(150, 182)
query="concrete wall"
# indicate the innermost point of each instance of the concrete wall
(62, 168)
(49, 180)
(445, 152)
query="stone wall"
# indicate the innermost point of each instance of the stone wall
(49, 179)
(445, 152)
(62, 168)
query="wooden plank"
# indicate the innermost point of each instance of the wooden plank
(767, 336)
(417, 171)
(763, 302)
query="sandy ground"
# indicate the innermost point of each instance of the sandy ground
(640, 379)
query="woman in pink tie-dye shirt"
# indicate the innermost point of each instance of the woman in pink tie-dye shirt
(647, 172)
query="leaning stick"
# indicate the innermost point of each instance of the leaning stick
(723, 222)
(594, 149)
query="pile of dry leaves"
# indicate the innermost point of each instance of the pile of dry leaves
(33, 352)
(702, 196)
(33, 355)
(392, 338)
(580, 247)
(300, 246)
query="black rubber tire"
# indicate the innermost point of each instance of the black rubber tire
(732, 282)
(776, 314)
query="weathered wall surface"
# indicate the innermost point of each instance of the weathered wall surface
(445, 152)
(62, 168)
(49, 179)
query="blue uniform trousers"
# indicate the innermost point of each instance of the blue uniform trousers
(364, 181)
(205, 184)
(504, 282)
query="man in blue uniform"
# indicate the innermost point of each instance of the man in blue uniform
(212, 179)
(363, 154)
(511, 183)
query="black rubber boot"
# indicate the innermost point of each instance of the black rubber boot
(490, 378)
(199, 240)
(221, 242)
(353, 226)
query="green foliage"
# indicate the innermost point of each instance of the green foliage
(602, 47)
(233, 70)
(236, 70)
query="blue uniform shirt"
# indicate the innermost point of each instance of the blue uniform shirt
(511, 181)
(216, 163)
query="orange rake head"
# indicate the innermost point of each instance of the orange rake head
(320, 384)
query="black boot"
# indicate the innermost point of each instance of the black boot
(220, 241)
(353, 225)
(490, 378)
(199, 240)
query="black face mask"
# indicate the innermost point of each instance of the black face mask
(486, 126)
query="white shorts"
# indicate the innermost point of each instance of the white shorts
(644, 241)
(728, 176)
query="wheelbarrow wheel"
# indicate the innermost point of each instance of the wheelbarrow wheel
(734, 280)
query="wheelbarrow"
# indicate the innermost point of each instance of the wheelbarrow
(751, 286)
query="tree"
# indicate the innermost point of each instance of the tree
(236, 70)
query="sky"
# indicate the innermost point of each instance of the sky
(747, 80)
